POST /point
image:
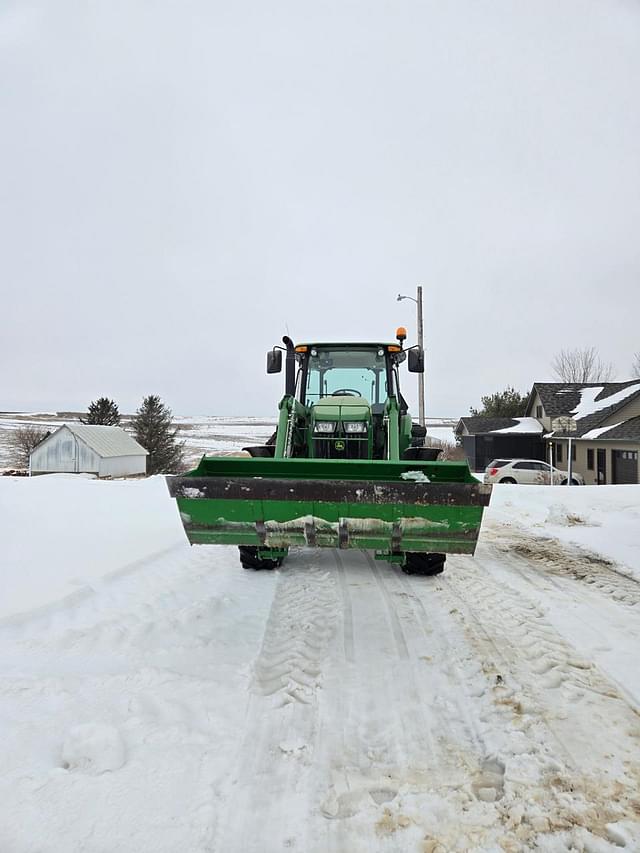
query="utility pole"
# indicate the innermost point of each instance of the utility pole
(418, 302)
(421, 343)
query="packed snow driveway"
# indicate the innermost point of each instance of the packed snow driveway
(182, 703)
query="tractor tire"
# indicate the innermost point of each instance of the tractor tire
(417, 563)
(250, 560)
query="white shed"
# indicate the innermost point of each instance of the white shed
(107, 451)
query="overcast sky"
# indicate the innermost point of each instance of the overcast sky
(181, 183)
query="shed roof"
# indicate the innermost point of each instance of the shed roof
(106, 441)
(481, 425)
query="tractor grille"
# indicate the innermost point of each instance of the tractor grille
(340, 447)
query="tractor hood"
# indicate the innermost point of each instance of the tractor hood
(341, 408)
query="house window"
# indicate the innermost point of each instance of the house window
(538, 411)
(590, 459)
(558, 453)
(573, 452)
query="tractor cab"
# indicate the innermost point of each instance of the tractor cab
(346, 387)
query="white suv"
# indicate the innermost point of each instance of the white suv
(528, 471)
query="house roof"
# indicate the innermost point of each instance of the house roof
(628, 430)
(106, 441)
(560, 398)
(480, 425)
(588, 403)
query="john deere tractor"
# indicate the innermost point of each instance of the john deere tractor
(346, 468)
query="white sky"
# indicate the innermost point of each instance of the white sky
(183, 182)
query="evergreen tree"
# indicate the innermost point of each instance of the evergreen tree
(102, 411)
(503, 404)
(154, 430)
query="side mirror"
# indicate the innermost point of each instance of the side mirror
(274, 360)
(416, 360)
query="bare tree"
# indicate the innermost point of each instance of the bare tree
(22, 442)
(635, 367)
(581, 365)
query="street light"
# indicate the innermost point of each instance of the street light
(418, 302)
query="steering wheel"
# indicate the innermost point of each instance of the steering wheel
(345, 392)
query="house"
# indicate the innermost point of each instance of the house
(107, 451)
(485, 439)
(602, 421)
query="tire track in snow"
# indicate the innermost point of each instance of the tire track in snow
(430, 749)
(572, 561)
(409, 610)
(507, 783)
(267, 799)
(587, 611)
(347, 609)
(362, 742)
(583, 731)
(430, 625)
(548, 656)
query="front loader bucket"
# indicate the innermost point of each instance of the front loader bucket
(386, 506)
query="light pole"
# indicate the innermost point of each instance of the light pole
(418, 302)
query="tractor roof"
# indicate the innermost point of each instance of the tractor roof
(342, 345)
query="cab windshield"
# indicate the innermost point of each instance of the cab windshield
(346, 372)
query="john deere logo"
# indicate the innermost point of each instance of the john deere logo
(339, 445)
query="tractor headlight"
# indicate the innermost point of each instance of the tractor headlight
(325, 427)
(355, 426)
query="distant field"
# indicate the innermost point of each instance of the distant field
(201, 434)
(204, 434)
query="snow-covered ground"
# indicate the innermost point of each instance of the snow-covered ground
(156, 697)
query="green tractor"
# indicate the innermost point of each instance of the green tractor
(346, 468)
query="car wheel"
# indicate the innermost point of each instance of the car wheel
(507, 480)
(575, 482)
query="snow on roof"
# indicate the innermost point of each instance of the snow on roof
(596, 433)
(107, 441)
(523, 425)
(588, 404)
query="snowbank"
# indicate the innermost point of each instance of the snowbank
(62, 532)
(603, 519)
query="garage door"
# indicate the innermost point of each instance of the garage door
(625, 466)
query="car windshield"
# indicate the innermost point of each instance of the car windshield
(346, 372)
